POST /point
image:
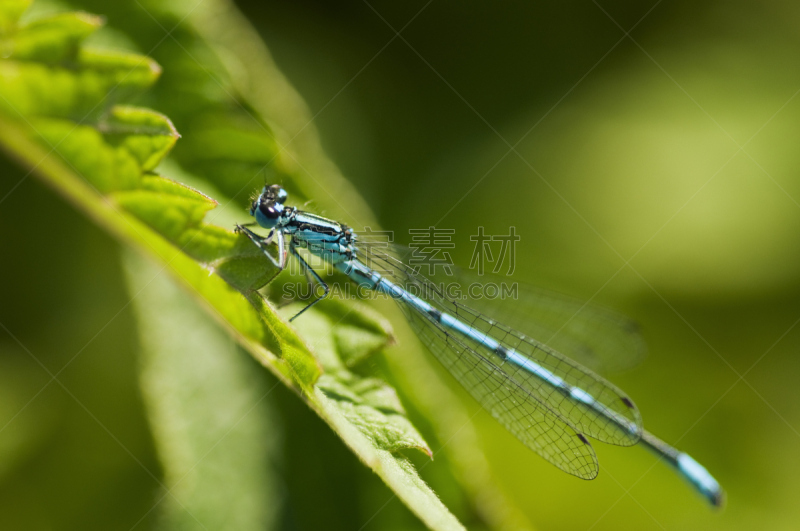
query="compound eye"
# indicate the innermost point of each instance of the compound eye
(278, 193)
(270, 209)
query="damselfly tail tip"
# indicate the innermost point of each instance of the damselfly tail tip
(701, 479)
(718, 499)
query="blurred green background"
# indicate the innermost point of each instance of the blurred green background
(654, 173)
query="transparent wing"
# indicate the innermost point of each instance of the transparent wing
(596, 337)
(508, 400)
(609, 416)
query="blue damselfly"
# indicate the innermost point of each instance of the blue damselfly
(550, 402)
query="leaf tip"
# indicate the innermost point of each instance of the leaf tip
(172, 131)
(154, 67)
(90, 19)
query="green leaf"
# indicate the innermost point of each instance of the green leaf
(145, 134)
(61, 115)
(367, 403)
(212, 422)
(80, 90)
(51, 40)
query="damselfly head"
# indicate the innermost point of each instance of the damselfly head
(268, 206)
(275, 192)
